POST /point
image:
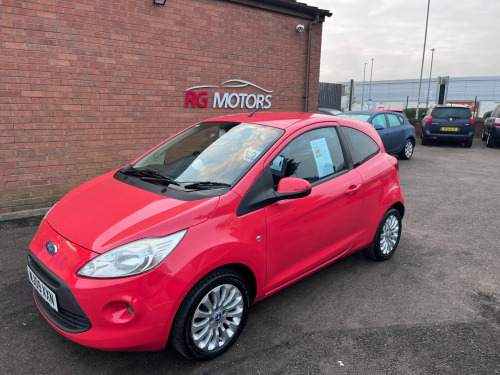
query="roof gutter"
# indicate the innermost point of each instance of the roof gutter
(288, 7)
(308, 61)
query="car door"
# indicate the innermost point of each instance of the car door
(397, 136)
(304, 233)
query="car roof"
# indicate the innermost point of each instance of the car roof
(360, 113)
(281, 120)
(370, 112)
(291, 121)
(388, 109)
(452, 106)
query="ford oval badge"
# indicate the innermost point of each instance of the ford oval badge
(51, 248)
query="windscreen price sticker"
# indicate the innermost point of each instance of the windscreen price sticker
(251, 154)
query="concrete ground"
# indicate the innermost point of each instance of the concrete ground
(434, 308)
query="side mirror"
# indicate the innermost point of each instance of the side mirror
(292, 188)
(378, 127)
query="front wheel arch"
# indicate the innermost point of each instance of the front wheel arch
(247, 274)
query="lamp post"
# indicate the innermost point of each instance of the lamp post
(423, 57)
(430, 76)
(363, 94)
(371, 75)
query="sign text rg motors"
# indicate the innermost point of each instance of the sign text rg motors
(196, 98)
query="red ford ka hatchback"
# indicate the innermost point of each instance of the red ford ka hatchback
(177, 245)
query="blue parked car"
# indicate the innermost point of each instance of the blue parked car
(397, 134)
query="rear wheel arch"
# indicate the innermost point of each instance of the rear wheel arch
(400, 207)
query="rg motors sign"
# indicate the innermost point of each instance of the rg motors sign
(198, 97)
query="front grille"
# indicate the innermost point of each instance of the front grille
(70, 317)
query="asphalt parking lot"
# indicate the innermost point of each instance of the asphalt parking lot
(434, 308)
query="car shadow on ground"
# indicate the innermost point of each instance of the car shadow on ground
(452, 144)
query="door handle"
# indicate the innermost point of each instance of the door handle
(352, 189)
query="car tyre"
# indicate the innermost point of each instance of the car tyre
(424, 141)
(489, 141)
(407, 151)
(484, 137)
(468, 144)
(387, 237)
(212, 316)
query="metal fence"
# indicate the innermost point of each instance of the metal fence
(330, 95)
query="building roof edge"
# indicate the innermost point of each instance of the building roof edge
(289, 7)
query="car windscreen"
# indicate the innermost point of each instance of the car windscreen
(220, 152)
(442, 112)
(356, 116)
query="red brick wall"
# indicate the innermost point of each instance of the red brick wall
(88, 85)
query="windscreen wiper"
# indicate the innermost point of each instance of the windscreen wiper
(146, 174)
(204, 185)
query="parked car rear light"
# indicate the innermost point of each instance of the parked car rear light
(472, 120)
(429, 119)
(393, 161)
(497, 121)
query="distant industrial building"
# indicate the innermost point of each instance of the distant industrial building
(404, 93)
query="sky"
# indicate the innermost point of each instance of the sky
(464, 33)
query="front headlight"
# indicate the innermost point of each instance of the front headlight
(133, 258)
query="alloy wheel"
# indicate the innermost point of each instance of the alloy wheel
(408, 149)
(217, 317)
(389, 235)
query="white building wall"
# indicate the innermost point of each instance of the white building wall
(395, 93)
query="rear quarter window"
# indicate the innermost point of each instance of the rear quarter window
(362, 147)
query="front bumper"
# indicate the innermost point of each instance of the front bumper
(126, 314)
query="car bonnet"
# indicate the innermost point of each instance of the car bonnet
(105, 213)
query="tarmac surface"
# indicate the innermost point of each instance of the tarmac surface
(434, 308)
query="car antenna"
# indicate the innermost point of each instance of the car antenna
(277, 95)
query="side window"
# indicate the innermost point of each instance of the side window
(393, 120)
(312, 156)
(362, 146)
(496, 113)
(379, 120)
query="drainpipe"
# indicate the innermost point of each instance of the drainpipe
(308, 62)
